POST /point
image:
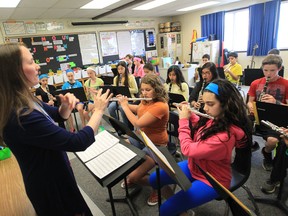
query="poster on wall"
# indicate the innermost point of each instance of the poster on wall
(88, 48)
(138, 43)
(14, 28)
(108, 43)
(124, 43)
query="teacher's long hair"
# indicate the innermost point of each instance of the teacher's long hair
(15, 94)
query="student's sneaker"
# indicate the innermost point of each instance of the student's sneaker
(267, 161)
(153, 198)
(255, 146)
(190, 212)
(269, 187)
(129, 185)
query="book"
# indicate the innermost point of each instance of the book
(105, 155)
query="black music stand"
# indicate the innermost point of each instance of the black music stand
(276, 114)
(252, 74)
(116, 176)
(79, 94)
(165, 161)
(123, 90)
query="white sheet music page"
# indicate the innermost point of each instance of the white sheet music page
(103, 141)
(111, 160)
(156, 151)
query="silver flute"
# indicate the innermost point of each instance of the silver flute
(196, 112)
(275, 128)
(131, 99)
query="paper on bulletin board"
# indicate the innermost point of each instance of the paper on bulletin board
(13, 28)
(88, 48)
(124, 43)
(137, 41)
(108, 43)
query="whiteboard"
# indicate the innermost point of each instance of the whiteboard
(207, 47)
(124, 43)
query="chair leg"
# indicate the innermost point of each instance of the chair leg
(251, 197)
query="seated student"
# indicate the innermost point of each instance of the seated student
(124, 78)
(45, 92)
(276, 92)
(233, 70)
(274, 51)
(138, 69)
(208, 143)
(205, 59)
(91, 87)
(208, 74)
(152, 118)
(130, 65)
(149, 69)
(70, 84)
(175, 82)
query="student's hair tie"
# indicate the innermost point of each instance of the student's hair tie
(213, 88)
(69, 70)
(137, 59)
(43, 76)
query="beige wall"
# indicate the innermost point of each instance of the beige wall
(192, 21)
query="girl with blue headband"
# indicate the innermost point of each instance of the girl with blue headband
(46, 92)
(208, 143)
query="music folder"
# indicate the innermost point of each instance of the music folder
(78, 92)
(164, 159)
(276, 114)
(116, 90)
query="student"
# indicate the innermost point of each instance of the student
(70, 84)
(92, 86)
(274, 51)
(205, 59)
(129, 62)
(233, 70)
(27, 127)
(175, 82)
(209, 73)
(152, 118)
(149, 69)
(138, 70)
(45, 92)
(277, 93)
(124, 78)
(208, 143)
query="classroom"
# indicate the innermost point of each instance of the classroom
(77, 36)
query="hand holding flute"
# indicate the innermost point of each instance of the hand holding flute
(185, 110)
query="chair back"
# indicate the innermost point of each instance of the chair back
(173, 124)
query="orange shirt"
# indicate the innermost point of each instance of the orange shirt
(157, 132)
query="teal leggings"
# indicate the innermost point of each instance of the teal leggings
(198, 194)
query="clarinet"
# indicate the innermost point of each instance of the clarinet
(50, 96)
(274, 127)
(264, 90)
(201, 91)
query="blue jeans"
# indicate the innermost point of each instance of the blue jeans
(196, 195)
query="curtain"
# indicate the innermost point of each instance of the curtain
(213, 24)
(263, 27)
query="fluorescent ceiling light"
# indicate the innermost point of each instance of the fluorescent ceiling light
(99, 4)
(153, 4)
(206, 4)
(9, 4)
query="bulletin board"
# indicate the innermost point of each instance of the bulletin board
(57, 52)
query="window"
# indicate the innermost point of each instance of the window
(282, 42)
(236, 30)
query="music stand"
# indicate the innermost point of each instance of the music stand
(221, 73)
(79, 94)
(123, 90)
(272, 112)
(123, 128)
(166, 162)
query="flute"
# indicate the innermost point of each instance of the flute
(274, 127)
(131, 99)
(196, 112)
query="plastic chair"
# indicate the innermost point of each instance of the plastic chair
(236, 206)
(241, 168)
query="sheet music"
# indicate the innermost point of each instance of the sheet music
(156, 151)
(113, 158)
(103, 141)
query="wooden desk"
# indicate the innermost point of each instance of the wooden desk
(14, 200)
